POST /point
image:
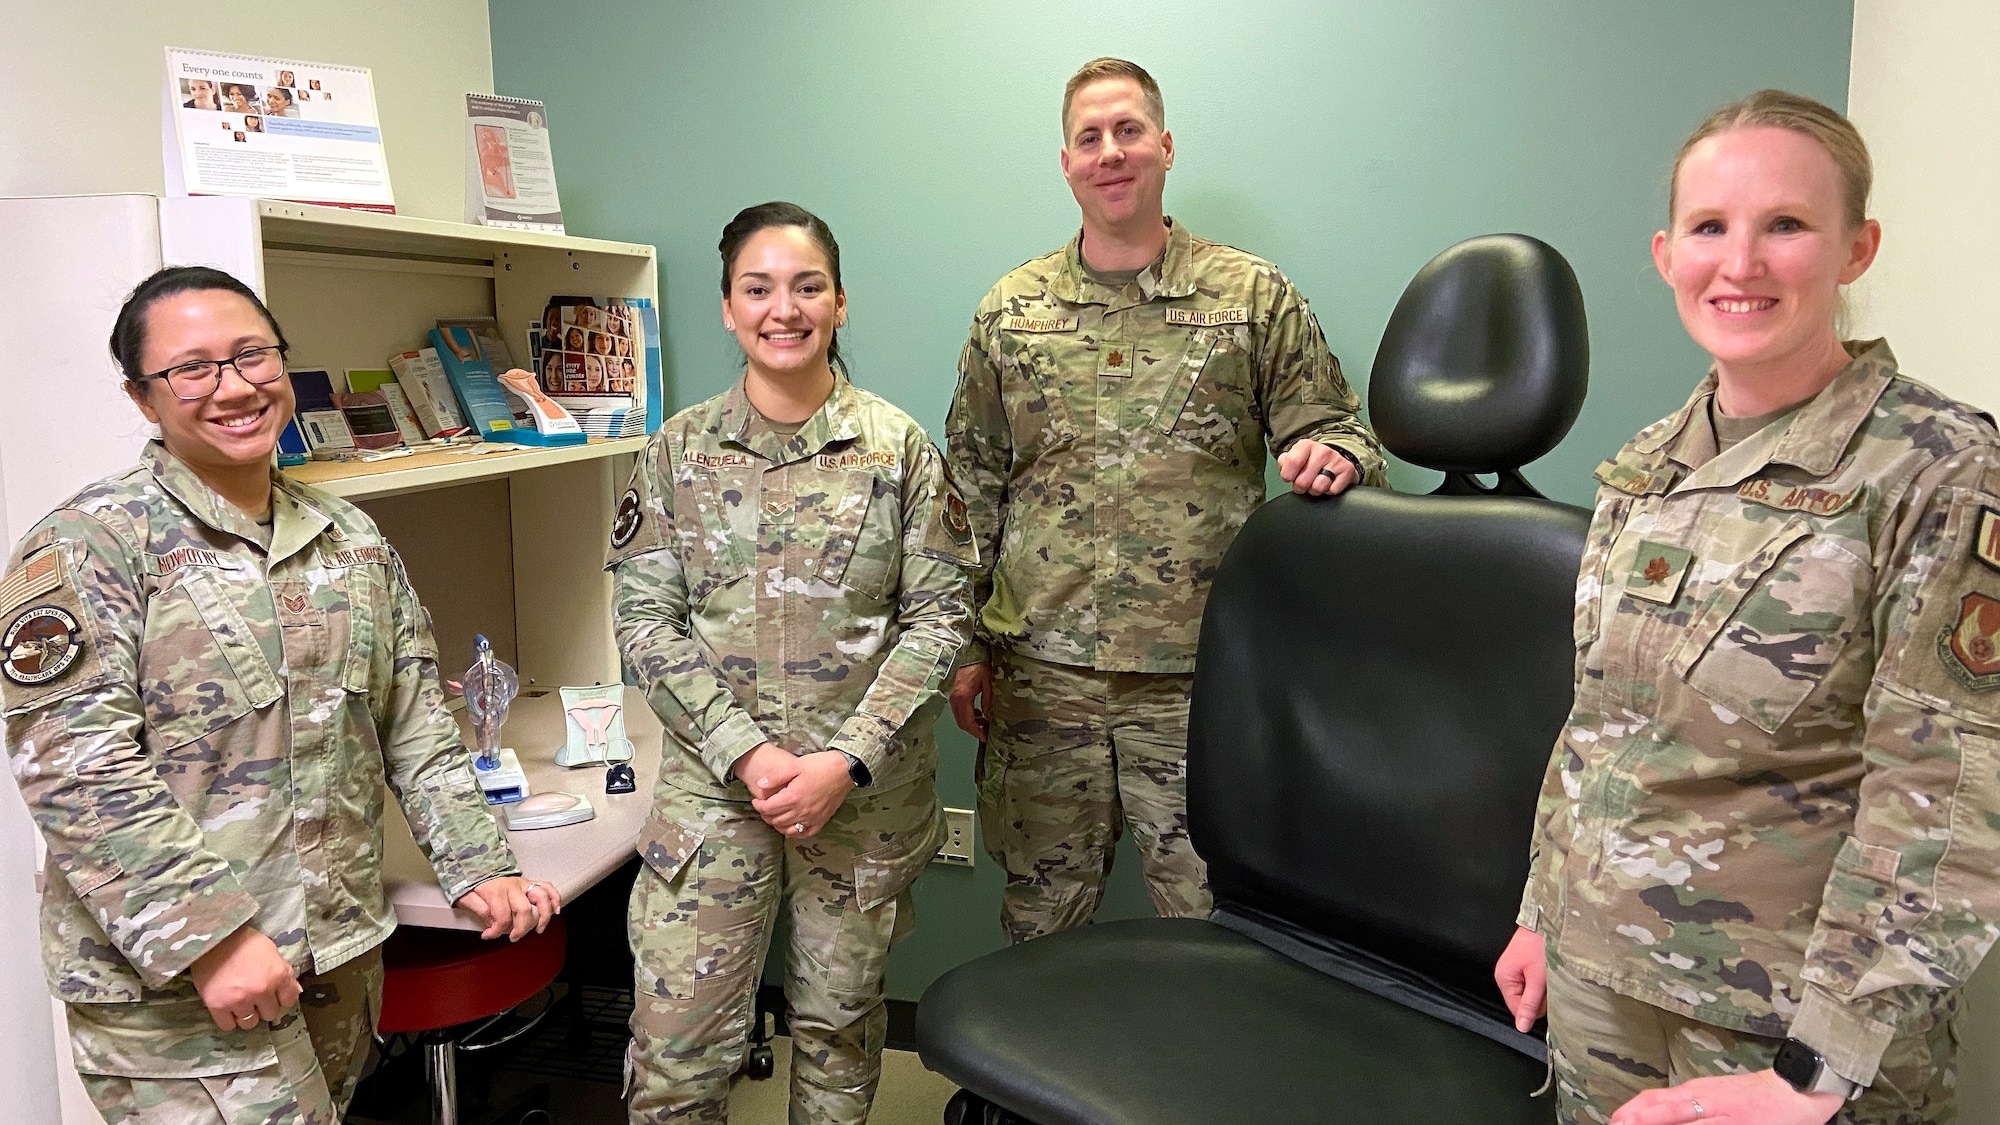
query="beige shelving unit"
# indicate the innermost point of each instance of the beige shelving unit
(509, 544)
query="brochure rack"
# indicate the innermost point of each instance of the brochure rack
(506, 543)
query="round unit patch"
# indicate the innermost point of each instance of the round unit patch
(956, 523)
(626, 525)
(39, 645)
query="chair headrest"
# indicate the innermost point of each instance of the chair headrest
(1484, 363)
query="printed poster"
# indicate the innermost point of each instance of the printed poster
(274, 129)
(510, 176)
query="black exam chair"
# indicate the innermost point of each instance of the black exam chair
(1382, 677)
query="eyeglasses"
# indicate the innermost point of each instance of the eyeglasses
(192, 382)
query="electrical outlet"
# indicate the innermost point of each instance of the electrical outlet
(957, 846)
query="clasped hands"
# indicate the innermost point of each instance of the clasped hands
(794, 793)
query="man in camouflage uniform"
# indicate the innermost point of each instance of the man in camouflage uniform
(801, 587)
(1775, 809)
(1112, 410)
(202, 713)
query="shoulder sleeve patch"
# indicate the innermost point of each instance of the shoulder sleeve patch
(948, 531)
(626, 523)
(642, 520)
(33, 578)
(1946, 652)
(45, 644)
(1970, 647)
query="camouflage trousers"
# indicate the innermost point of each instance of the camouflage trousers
(700, 925)
(1606, 1047)
(170, 1065)
(1073, 758)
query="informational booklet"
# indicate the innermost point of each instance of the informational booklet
(510, 175)
(274, 129)
(369, 419)
(591, 346)
(475, 382)
(382, 380)
(651, 392)
(422, 378)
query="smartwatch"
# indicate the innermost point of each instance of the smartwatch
(857, 772)
(1806, 1070)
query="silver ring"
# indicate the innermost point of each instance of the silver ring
(799, 829)
(246, 1021)
(1699, 1112)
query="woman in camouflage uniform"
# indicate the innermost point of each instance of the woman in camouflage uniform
(1768, 849)
(789, 593)
(209, 673)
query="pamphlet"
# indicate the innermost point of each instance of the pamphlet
(474, 382)
(369, 419)
(510, 175)
(590, 346)
(292, 447)
(273, 128)
(382, 380)
(318, 414)
(652, 392)
(493, 349)
(423, 379)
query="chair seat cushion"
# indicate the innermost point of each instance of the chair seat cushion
(1162, 1020)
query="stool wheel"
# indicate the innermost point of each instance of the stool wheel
(761, 1064)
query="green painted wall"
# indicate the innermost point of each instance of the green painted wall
(1346, 140)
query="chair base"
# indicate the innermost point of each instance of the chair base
(968, 1108)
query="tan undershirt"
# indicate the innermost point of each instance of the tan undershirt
(759, 424)
(1731, 431)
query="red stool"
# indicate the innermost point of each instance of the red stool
(440, 980)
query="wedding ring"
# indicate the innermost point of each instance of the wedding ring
(799, 829)
(246, 1021)
(1699, 1112)
(1329, 474)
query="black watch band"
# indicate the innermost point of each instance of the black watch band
(857, 771)
(1806, 1070)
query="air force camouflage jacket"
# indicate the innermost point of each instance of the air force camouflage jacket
(1111, 442)
(805, 591)
(1775, 806)
(203, 729)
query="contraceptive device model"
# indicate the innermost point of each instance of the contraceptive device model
(595, 723)
(490, 687)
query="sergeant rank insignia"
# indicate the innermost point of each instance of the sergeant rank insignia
(39, 645)
(1971, 648)
(626, 525)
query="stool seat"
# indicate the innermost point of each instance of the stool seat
(436, 979)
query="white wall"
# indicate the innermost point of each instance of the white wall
(1924, 90)
(92, 73)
